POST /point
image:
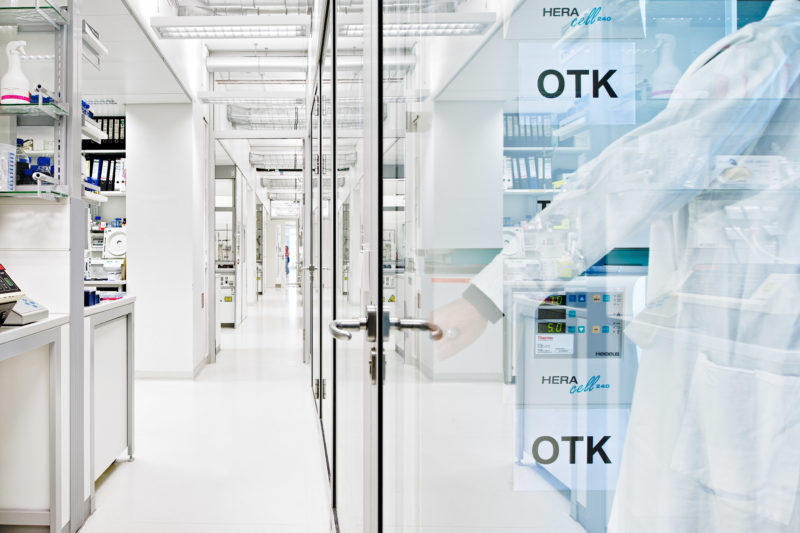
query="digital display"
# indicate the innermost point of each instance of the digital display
(556, 299)
(552, 314)
(552, 327)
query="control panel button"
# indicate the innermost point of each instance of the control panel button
(595, 329)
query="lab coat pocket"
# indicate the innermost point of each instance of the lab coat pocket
(739, 438)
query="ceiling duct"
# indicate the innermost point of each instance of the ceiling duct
(279, 116)
(243, 7)
(277, 160)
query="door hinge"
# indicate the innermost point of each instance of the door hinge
(316, 389)
(324, 389)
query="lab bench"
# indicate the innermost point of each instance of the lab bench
(109, 356)
(34, 424)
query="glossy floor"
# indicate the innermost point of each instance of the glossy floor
(235, 451)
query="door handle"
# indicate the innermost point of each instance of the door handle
(417, 324)
(338, 327)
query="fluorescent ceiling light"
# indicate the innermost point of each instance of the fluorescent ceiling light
(231, 27)
(426, 25)
(252, 97)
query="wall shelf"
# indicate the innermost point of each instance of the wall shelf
(40, 15)
(50, 110)
(46, 193)
(576, 150)
(530, 192)
(90, 129)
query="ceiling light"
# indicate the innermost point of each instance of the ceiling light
(252, 97)
(231, 27)
(427, 25)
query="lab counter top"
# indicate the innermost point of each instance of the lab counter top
(12, 333)
(108, 305)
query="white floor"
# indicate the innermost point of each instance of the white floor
(235, 451)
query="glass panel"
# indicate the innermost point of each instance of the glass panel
(595, 204)
(326, 274)
(352, 211)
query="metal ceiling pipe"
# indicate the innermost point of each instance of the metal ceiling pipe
(216, 63)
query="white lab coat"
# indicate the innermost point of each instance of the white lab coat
(713, 443)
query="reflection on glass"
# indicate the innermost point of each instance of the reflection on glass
(597, 209)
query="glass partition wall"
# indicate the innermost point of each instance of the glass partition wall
(576, 227)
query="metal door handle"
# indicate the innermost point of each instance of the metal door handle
(338, 327)
(369, 323)
(417, 324)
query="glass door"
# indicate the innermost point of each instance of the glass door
(327, 220)
(354, 201)
(317, 337)
(540, 367)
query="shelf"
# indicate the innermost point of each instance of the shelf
(51, 110)
(91, 130)
(94, 198)
(559, 149)
(104, 151)
(44, 194)
(40, 15)
(112, 194)
(104, 282)
(530, 192)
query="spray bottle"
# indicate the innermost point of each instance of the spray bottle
(14, 85)
(667, 74)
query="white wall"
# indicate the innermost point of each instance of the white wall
(165, 210)
(463, 206)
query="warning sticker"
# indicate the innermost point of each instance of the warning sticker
(560, 344)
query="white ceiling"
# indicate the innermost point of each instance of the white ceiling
(133, 72)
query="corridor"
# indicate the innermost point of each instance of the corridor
(235, 451)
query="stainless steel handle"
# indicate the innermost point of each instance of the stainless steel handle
(417, 324)
(338, 327)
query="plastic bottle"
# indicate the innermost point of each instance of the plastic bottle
(14, 86)
(667, 74)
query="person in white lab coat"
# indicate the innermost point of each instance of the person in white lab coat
(713, 443)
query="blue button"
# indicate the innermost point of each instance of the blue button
(571, 298)
(606, 329)
(571, 313)
(606, 298)
(582, 298)
(570, 329)
(581, 329)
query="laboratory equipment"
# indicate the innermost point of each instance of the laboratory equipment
(10, 294)
(226, 299)
(26, 311)
(575, 372)
(115, 243)
(105, 269)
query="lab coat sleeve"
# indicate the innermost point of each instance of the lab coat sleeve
(719, 107)
(485, 292)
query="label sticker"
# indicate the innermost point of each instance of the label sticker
(561, 344)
